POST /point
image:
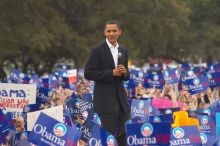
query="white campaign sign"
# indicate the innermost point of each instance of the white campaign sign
(54, 112)
(14, 97)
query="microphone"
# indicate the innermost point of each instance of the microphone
(119, 57)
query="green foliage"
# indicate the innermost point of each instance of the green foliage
(41, 32)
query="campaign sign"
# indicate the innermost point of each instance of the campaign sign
(16, 77)
(100, 137)
(63, 66)
(214, 67)
(207, 124)
(86, 109)
(87, 97)
(96, 119)
(170, 76)
(197, 70)
(67, 118)
(214, 79)
(4, 129)
(9, 120)
(185, 66)
(3, 121)
(14, 97)
(69, 77)
(197, 85)
(55, 112)
(74, 109)
(44, 95)
(35, 80)
(185, 135)
(157, 119)
(207, 140)
(185, 75)
(53, 81)
(140, 108)
(45, 82)
(31, 107)
(151, 134)
(169, 110)
(85, 130)
(217, 124)
(156, 80)
(136, 74)
(48, 131)
(132, 83)
(156, 66)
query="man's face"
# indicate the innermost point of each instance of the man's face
(112, 33)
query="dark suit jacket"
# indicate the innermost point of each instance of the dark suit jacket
(99, 69)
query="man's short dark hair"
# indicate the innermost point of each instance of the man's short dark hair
(112, 22)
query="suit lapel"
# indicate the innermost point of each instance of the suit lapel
(109, 55)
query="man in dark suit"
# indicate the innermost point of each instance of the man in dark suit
(107, 65)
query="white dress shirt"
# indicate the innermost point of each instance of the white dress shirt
(114, 51)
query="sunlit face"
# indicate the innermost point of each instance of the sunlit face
(112, 33)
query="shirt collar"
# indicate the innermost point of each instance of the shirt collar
(110, 45)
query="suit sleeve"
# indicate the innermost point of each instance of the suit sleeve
(92, 71)
(127, 76)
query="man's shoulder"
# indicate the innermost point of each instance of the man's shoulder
(99, 45)
(123, 48)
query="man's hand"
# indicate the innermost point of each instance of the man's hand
(122, 69)
(116, 72)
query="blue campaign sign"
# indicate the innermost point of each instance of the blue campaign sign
(4, 129)
(214, 79)
(214, 67)
(73, 108)
(53, 81)
(217, 124)
(35, 79)
(9, 120)
(185, 66)
(140, 108)
(16, 76)
(185, 135)
(48, 131)
(197, 70)
(44, 95)
(86, 129)
(150, 134)
(156, 66)
(132, 83)
(207, 124)
(63, 66)
(100, 137)
(67, 118)
(86, 109)
(45, 82)
(3, 121)
(87, 97)
(208, 140)
(31, 108)
(170, 76)
(96, 119)
(137, 75)
(197, 85)
(185, 75)
(156, 80)
(169, 110)
(161, 118)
